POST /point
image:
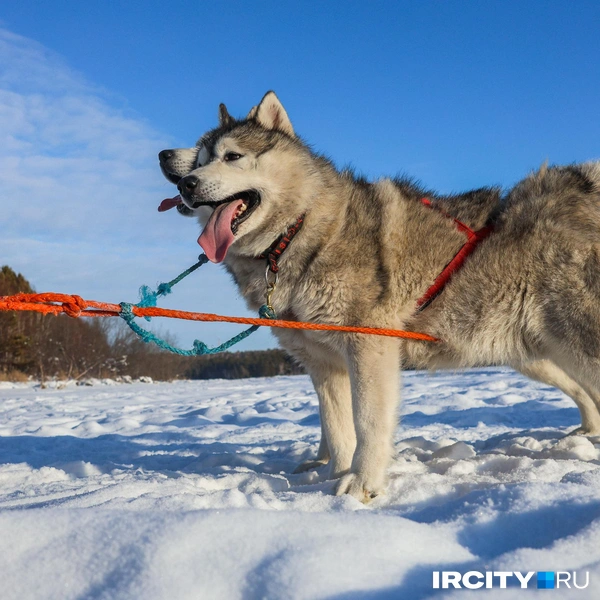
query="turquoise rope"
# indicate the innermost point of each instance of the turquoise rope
(199, 349)
(149, 298)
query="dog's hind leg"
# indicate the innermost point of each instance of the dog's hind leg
(567, 325)
(547, 372)
(585, 371)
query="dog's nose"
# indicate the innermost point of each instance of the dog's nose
(188, 184)
(164, 155)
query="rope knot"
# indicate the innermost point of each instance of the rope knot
(74, 306)
(126, 311)
(163, 289)
(200, 348)
(266, 313)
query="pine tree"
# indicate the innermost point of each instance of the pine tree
(15, 328)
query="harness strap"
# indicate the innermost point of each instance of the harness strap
(277, 248)
(473, 239)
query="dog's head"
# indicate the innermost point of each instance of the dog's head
(242, 179)
(175, 164)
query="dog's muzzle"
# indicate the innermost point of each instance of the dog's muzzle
(187, 188)
(187, 185)
(164, 158)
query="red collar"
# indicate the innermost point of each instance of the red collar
(277, 248)
(473, 239)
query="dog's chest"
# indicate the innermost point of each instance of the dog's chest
(250, 278)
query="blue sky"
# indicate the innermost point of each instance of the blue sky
(456, 94)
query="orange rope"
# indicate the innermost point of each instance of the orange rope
(75, 306)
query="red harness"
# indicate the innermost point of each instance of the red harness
(274, 252)
(473, 239)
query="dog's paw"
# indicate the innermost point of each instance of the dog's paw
(589, 432)
(308, 465)
(358, 486)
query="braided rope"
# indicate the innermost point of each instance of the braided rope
(51, 303)
(76, 306)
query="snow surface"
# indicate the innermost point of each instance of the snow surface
(182, 490)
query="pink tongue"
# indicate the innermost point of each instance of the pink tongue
(169, 203)
(217, 235)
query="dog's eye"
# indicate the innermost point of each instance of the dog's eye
(232, 156)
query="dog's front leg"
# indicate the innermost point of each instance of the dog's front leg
(332, 384)
(323, 454)
(375, 378)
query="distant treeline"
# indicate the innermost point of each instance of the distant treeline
(43, 347)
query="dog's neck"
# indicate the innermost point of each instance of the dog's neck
(273, 253)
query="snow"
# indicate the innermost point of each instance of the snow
(183, 490)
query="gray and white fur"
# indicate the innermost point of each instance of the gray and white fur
(528, 297)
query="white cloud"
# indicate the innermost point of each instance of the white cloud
(30, 67)
(79, 189)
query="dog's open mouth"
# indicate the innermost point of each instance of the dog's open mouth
(250, 201)
(219, 233)
(223, 224)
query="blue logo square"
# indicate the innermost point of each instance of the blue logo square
(545, 580)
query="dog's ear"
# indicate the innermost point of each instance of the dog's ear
(252, 112)
(224, 117)
(271, 114)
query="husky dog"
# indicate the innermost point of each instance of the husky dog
(528, 296)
